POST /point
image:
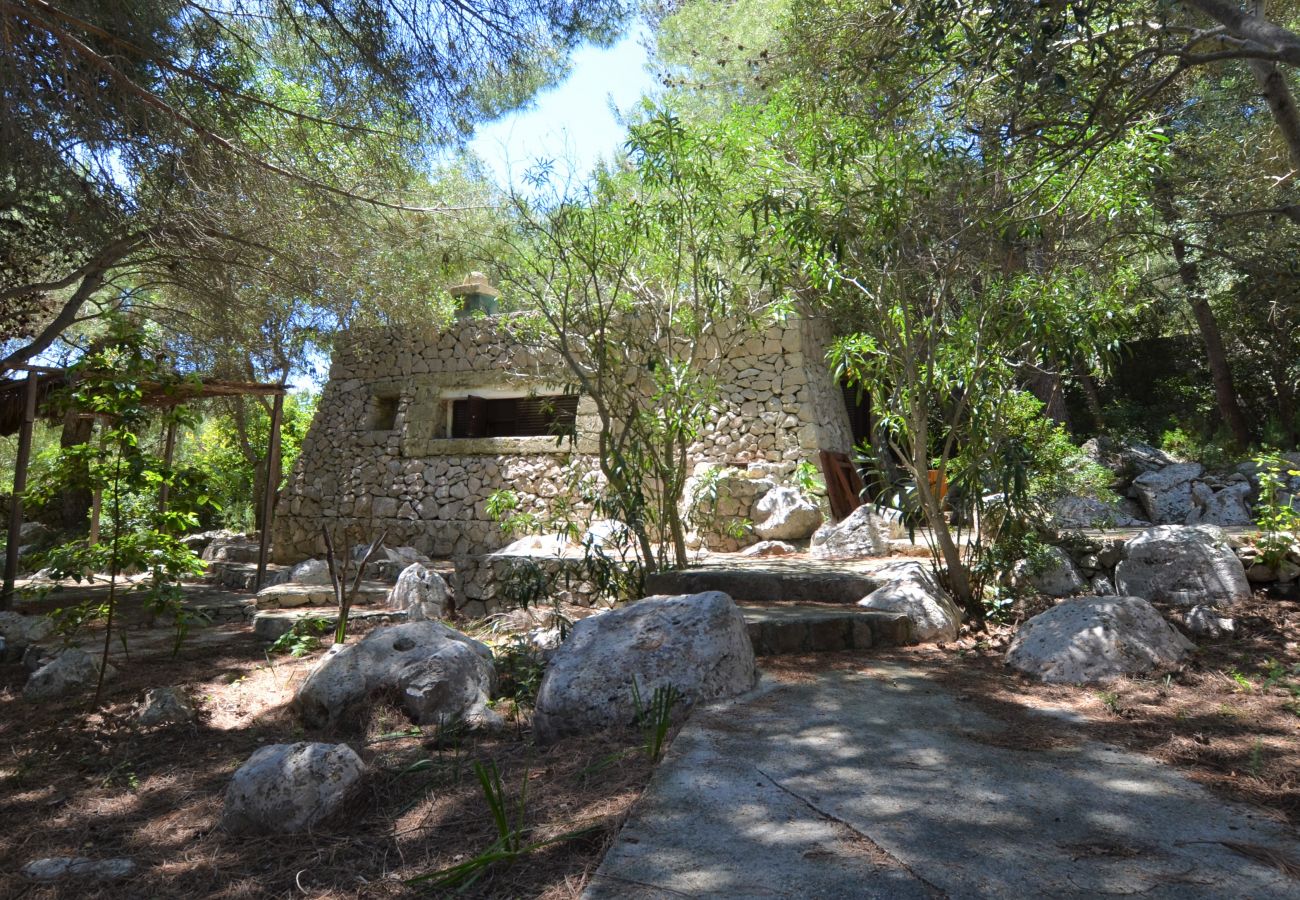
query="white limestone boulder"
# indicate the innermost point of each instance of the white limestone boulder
(1052, 573)
(1228, 506)
(695, 643)
(912, 591)
(1090, 639)
(860, 534)
(437, 674)
(1182, 564)
(1166, 494)
(166, 706)
(1090, 512)
(18, 632)
(784, 514)
(311, 571)
(69, 672)
(421, 592)
(290, 788)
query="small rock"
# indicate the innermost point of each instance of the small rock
(166, 706)
(68, 868)
(421, 592)
(71, 671)
(289, 788)
(1101, 586)
(1096, 639)
(785, 514)
(1205, 621)
(768, 548)
(1052, 573)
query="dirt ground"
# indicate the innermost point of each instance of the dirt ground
(1229, 717)
(74, 782)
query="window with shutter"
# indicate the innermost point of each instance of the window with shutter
(546, 416)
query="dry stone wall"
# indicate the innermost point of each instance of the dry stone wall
(377, 456)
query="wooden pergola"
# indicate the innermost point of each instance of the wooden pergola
(22, 401)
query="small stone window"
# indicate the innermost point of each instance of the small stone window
(383, 412)
(549, 416)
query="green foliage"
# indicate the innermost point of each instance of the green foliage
(502, 507)
(1276, 511)
(302, 638)
(510, 844)
(520, 667)
(655, 718)
(117, 383)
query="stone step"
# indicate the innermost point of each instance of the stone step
(270, 624)
(292, 594)
(770, 583)
(789, 628)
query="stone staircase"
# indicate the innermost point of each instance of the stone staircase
(796, 606)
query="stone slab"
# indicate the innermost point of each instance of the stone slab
(882, 784)
(810, 628)
(779, 580)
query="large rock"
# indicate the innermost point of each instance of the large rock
(1183, 564)
(1090, 512)
(1052, 574)
(912, 591)
(696, 643)
(70, 672)
(288, 788)
(1096, 639)
(439, 674)
(421, 592)
(1229, 506)
(784, 514)
(1126, 459)
(1166, 494)
(860, 534)
(18, 632)
(311, 571)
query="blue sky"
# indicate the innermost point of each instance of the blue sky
(572, 121)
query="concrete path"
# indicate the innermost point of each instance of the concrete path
(882, 784)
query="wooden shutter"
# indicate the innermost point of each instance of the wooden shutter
(843, 484)
(475, 417)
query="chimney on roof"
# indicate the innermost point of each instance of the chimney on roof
(476, 294)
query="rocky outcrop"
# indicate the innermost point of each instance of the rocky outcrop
(1181, 564)
(421, 593)
(860, 534)
(697, 644)
(1228, 506)
(290, 788)
(1096, 639)
(1090, 512)
(912, 591)
(437, 674)
(1166, 494)
(784, 514)
(69, 672)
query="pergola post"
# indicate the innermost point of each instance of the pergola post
(268, 491)
(169, 450)
(20, 485)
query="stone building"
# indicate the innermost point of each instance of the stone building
(415, 431)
